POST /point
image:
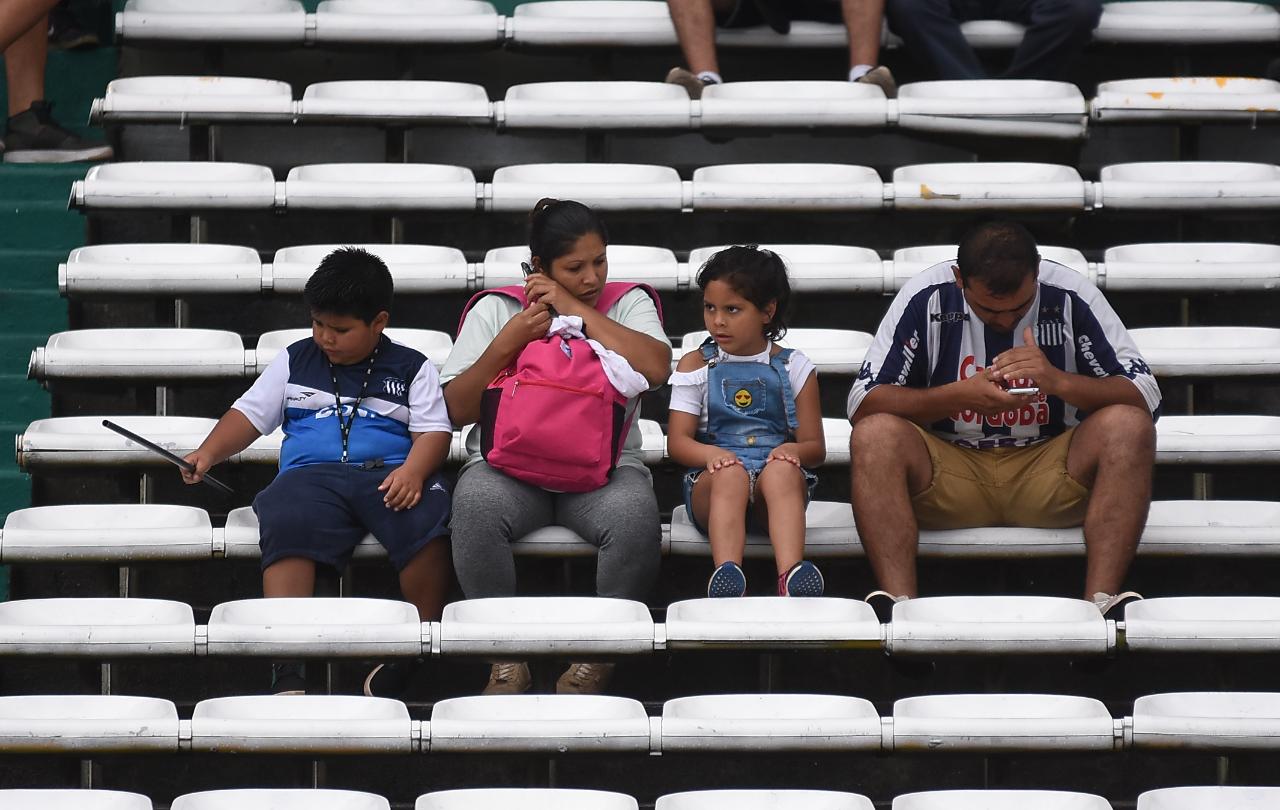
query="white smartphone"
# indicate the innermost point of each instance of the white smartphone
(1024, 391)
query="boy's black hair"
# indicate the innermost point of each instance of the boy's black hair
(1000, 254)
(352, 282)
(758, 275)
(555, 225)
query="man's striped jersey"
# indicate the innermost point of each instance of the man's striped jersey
(930, 337)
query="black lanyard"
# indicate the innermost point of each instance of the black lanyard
(344, 425)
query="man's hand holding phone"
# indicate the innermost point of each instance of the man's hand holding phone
(1026, 362)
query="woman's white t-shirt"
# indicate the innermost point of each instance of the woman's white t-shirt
(689, 388)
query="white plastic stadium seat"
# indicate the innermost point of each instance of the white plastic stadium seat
(315, 724)
(907, 262)
(71, 799)
(998, 624)
(1221, 797)
(815, 268)
(1190, 98)
(160, 269)
(193, 99)
(653, 442)
(787, 187)
(283, 21)
(239, 539)
(1204, 624)
(106, 533)
(993, 33)
(46, 724)
(829, 532)
(770, 723)
(435, 345)
(538, 625)
(386, 101)
(1218, 440)
(1208, 721)
(441, 22)
(607, 186)
(779, 104)
(771, 622)
(988, 186)
(132, 354)
(92, 627)
(1002, 542)
(1188, 185)
(833, 351)
(381, 187)
(1191, 22)
(414, 268)
(1248, 528)
(280, 799)
(596, 105)
(539, 723)
(654, 266)
(83, 441)
(346, 626)
(525, 799)
(1227, 266)
(592, 22)
(161, 184)
(836, 432)
(1004, 107)
(763, 800)
(1008, 722)
(999, 800)
(1210, 351)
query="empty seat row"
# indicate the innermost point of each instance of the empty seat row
(1153, 186)
(83, 441)
(556, 724)
(1177, 798)
(572, 625)
(636, 23)
(178, 354)
(141, 532)
(1027, 108)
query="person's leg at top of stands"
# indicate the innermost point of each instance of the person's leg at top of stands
(696, 21)
(19, 16)
(32, 135)
(929, 431)
(930, 31)
(1057, 31)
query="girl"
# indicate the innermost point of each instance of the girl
(567, 245)
(745, 417)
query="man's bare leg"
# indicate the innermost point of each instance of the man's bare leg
(863, 19)
(890, 464)
(425, 580)
(289, 576)
(17, 17)
(24, 62)
(695, 23)
(1113, 453)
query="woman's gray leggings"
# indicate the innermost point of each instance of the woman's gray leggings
(491, 509)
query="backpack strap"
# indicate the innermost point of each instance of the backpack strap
(610, 295)
(515, 291)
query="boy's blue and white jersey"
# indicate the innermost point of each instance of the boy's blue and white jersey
(930, 338)
(296, 390)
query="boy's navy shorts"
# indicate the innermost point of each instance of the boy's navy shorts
(322, 511)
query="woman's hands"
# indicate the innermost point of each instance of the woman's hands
(540, 288)
(528, 325)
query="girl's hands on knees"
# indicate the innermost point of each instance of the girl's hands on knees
(527, 326)
(720, 460)
(788, 452)
(403, 488)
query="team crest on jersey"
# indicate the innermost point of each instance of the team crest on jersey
(742, 398)
(393, 387)
(1051, 333)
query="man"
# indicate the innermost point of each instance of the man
(1057, 30)
(696, 22)
(1001, 390)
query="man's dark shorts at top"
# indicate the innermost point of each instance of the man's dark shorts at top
(322, 511)
(747, 14)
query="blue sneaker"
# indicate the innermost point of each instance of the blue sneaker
(804, 579)
(727, 580)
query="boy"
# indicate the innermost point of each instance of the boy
(371, 464)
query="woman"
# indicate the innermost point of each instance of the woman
(567, 243)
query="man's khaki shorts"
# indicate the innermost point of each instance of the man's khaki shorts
(1006, 486)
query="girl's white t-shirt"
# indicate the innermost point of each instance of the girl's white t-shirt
(689, 388)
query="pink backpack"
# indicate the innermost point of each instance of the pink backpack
(553, 419)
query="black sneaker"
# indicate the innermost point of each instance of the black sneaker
(392, 679)
(1111, 606)
(288, 678)
(66, 33)
(34, 137)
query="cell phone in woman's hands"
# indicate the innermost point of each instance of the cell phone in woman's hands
(529, 271)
